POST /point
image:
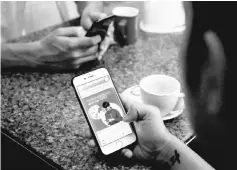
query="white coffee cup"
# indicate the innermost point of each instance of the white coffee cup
(162, 16)
(162, 91)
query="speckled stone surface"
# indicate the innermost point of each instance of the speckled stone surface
(42, 110)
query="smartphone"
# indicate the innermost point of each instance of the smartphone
(100, 27)
(103, 110)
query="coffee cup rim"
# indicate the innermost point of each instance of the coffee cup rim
(177, 91)
(131, 9)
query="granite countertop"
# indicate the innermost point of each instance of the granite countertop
(42, 110)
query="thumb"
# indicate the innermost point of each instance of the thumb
(125, 100)
(97, 15)
(88, 20)
(138, 112)
(132, 115)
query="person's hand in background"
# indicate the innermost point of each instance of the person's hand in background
(92, 12)
(108, 40)
(152, 135)
(63, 49)
(68, 47)
(88, 17)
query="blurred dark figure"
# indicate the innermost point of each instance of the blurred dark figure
(211, 82)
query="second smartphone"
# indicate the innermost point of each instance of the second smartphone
(104, 111)
(100, 27)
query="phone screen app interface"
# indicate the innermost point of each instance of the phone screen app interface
(104, 110)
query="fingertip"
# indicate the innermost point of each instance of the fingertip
(81, 31)
(122, 151)
(91, 143)
(127, 153)
(96, 39)
(88, 134)
(86, 23)
(121, 95)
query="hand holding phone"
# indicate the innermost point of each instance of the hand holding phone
(152, 135)
(103, 110)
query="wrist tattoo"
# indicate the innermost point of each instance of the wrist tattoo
(175, 158)
(165, 162)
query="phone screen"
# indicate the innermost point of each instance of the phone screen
(104, 110)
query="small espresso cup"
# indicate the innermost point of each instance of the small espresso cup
(162, 91)
(125, 25)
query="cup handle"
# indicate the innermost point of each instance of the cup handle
(181, 95)
(136, 90)
(122, 25)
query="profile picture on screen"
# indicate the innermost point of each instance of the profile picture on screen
(112, 114)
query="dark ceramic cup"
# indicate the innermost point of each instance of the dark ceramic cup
(125, 25)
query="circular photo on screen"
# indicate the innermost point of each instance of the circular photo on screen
(110, 113)
(94, 112)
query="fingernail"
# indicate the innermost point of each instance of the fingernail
(97, 39)
(99, 57)
(102, 46)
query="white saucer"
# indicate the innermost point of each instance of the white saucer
(160, 29)
(134, 95)
(172, 115)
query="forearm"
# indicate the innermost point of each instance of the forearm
(97, 6)
(176, 155)
(20, 54)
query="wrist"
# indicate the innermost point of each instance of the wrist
(19, 54)
(163, 149)
(35, 51)
(168, 154)
(157, 148)
(38, 49)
